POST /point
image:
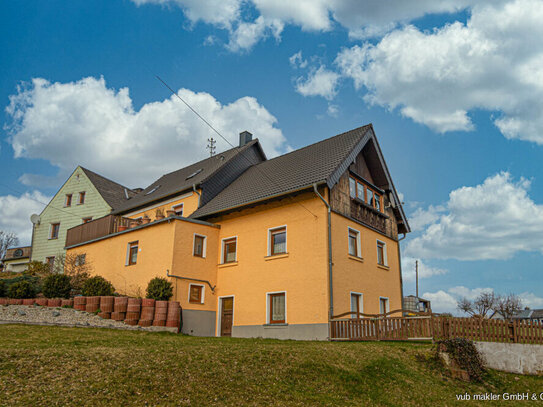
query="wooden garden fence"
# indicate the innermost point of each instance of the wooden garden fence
(430, 327)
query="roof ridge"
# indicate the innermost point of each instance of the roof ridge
(107, 179)
(317, 142)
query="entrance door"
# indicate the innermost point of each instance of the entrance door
(227, 315)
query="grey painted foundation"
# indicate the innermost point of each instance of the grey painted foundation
(305, 332)
(198, 323)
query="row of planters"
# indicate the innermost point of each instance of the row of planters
(98, 297)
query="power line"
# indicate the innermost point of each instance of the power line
(226, 140)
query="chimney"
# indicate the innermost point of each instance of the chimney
(244, 138)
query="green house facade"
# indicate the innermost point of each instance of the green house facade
(85, 196)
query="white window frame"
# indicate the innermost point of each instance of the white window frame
(221, 260)
(51, 230)
(358, 242)
(203, 293)
(361, 295)
(204, 247)
(385, 256)
(268, 304)
(270, 230)
(219, 315)
(388, 304)
(127, 263)
(182, 204)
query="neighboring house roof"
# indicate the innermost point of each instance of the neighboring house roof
(322, 162)
(184, 178)
(537, 314)
(524, 314)
(113, 193)
(16, 253)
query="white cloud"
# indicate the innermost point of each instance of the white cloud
(441, 301)
(297, 61)
(493, 220)
(218, 12)
(425, 271)
(423, 217)
(246, 35)
(469, 293)
(332, 110)
(15, 213)
(320, 82)
(86, 123)
(531, 300)
(361, 18)
(494, 63)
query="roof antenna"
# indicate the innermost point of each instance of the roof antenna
(211, 146)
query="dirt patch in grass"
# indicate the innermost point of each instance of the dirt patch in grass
(97, 367)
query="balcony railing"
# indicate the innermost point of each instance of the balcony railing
(368, 215)
(95, 229)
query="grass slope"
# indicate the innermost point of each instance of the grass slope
(49, 366)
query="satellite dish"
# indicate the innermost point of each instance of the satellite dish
(35, 219)
(392, 200)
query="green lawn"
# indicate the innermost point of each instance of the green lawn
(46, 366)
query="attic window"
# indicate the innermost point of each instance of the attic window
(152, 190)
(195, 173)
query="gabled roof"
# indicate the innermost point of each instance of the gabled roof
(113, 193)
(322, 162)
(184, 178)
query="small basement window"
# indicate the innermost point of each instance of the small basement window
(196, 294)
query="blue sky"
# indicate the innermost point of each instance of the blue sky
(453, 90)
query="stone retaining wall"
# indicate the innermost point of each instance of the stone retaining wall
(512, 357)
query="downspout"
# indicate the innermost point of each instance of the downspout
(400, 263)
(330, 271)
(192, 279)
(197, 193)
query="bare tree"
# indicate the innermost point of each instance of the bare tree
(7, 240)
(74, 265)
(480, 307)
(508, 305)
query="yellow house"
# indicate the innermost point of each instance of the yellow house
(264, 248)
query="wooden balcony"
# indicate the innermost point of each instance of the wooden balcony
(95, 229)
(368, 215)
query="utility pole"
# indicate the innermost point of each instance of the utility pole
(211, 146)
(417, 276)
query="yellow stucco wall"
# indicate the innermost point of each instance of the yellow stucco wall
(303, 273)
(189, 201)
(364, 277)
(184, 264)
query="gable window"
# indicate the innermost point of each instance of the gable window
(196, 294)
(381, 253)
(383, 305)
(50, 261)
(366, 194)
(68, 200)
(132, 253)
(277, 239)
(354, 243)
(277, 308)
(199, 246)
(229, 250)
(356, 304)
(178, 209)
(81, 198)
(53, 233)
(87, 220)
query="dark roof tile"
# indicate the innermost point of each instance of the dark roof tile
(113, 193)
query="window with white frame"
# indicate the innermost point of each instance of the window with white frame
(178, 209)
(54, 230)
(277, 308)
(277, 241)
(199, 248)
(382, 253)
(229, 250)
(354, 242)
(383, 305)
(132, 253)
(196, 293)
(356, 304)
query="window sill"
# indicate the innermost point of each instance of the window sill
(276, 256)
(195, 303)
(53, 238)
(266, 326)
(381, 266)
(128, 265)
(231, 264)
(356, 258)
